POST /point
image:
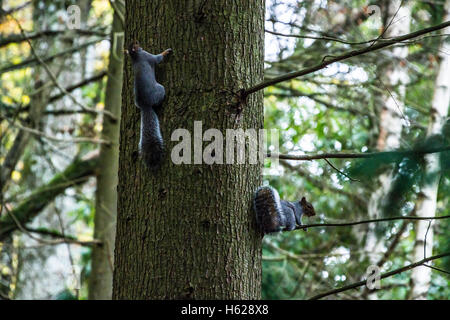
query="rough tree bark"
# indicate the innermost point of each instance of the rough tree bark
(426, 201)
(188, 231)
(100, 280)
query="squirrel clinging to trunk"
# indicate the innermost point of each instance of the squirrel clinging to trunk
(148, 96)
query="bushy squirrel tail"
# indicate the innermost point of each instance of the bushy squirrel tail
(151, 145)
(267, 205)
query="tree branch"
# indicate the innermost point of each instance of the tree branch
(321, 184)
(80, 84)
(16, 38)
(76, 173)
(12, 10)
(33, 61)
(55, 81)
(358, 155)
(313, 96)
(384, 275)
(10, 109)
(64, 237)
(344, 56)
(325, 38)
(307, 226)
(48, 137)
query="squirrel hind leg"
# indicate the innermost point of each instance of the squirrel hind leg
(159, 96)
(289, 220)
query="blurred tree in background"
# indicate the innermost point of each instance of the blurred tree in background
(53, 75)
(379, 101)
(53, 109)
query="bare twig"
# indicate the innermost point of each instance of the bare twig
(48, 137)
(353, 223)
(80, 84)
(64, 238)
(437, 269)
(402, 115)
(16, 38)
(43, 241)
(393, 245)
(389, 251)
(352, 43)
(357, 155)
(12, 10)
(33, 61)
(55, 81)
(313, 96)
(325, 38)
(10, 109)
(69, 252)
(339, 171)
(344, 56)
(322, 185)
(384, 275)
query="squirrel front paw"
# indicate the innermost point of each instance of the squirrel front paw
(167, 52)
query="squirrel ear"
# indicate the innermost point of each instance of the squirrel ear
(303, 201)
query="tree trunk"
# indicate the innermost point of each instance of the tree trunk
(100, 286)
(188, 231)
(426, 202)
(390, 116)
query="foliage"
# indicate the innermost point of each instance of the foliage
(334, 110)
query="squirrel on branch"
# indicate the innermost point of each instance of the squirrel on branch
(274, 214)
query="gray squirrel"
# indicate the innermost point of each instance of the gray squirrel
(148, 96)
(274, 214)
